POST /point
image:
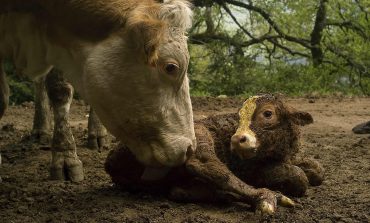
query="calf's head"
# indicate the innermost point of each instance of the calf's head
(268, 128)
(137, 82)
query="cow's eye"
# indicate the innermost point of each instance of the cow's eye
(171, 68)
(267, 114)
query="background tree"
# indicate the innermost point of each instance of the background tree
(291, 46)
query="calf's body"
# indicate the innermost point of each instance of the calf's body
(215, 171)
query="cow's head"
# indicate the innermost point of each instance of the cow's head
(268, 128)
(136, 79)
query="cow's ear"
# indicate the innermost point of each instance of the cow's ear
(299, 117)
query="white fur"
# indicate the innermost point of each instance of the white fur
(147, 109)
(178, 13)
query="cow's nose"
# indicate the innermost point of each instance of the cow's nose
(189, 151)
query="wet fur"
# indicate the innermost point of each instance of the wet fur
(276, 165)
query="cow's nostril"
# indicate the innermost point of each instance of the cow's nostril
(243, 139)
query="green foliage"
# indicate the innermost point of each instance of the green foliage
(21, 88)
(225, 64)
(224, 61)
(233, 74)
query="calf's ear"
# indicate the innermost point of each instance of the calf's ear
(145, 32)
(299, 117)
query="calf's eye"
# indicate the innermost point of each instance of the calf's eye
(267, 114)
(171, 68)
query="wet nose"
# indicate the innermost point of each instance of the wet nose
(243, 141)
(189, 151)
(239, 139)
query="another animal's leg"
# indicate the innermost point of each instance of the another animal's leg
(96, 132)
(4, 90)
(286, 178)
(65, 163)
(207, 166)
(312, 168)
(42, 118)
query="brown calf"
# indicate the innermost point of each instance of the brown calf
(269, 160)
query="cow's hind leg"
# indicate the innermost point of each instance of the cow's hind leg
(96, 132)
(42, 118)
(65, 163)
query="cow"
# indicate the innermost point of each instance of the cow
(127, 58)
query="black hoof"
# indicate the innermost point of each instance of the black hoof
(363, 128)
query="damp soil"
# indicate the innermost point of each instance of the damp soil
(27, 195)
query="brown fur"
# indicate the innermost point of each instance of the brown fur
(274, 167)
(88, 19)
(92, 20)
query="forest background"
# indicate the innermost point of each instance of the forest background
(295, 47)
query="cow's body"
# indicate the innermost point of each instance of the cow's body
(128, 59)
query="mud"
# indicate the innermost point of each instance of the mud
(26, 194)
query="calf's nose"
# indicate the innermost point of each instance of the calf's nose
(242, 141)
(238, 139)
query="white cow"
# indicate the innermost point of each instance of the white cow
(127, 58)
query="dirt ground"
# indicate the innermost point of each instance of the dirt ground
(26, 194)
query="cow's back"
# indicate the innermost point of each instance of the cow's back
(22, 41)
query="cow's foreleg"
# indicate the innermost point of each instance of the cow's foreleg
(96, 132)
(4, 90)
(42, 119)
(65, 163)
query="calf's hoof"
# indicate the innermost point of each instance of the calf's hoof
(96, 143)
(268, 201)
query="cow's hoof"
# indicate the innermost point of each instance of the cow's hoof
(74, 170)
(96, 143)
(363, 128)
(57, 173)
(71, 169)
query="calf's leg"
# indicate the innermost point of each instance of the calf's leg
(42, 118)
(312, 168)
(97, 133)
(287, 178)
(65, 164)
(205, 164)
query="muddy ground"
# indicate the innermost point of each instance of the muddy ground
(26, 194)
